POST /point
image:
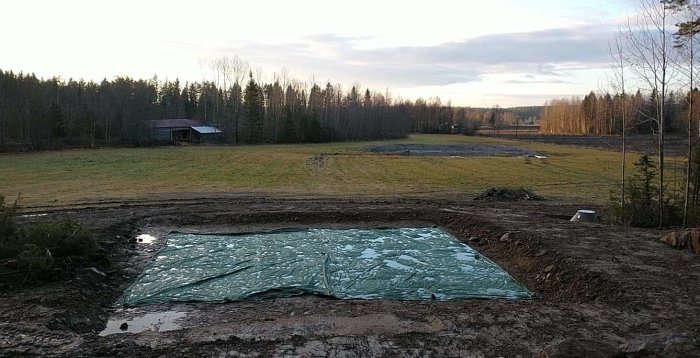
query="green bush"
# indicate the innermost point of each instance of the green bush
(33, 258)
(46, 251)
(7, 225)
(641, 206)
(62, 238)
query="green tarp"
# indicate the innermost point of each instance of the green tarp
(401, 264)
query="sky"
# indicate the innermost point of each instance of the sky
(480, 54)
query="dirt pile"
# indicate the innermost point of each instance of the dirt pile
(508, 194)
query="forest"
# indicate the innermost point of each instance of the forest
(37, 114)
(602, 114)
(53, 113)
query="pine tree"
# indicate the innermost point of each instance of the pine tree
(254, 112)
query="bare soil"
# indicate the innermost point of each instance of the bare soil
(602, 290)
(674, 144)
(447, 150)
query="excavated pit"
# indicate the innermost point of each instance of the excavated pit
(399, 264)
(585, 278)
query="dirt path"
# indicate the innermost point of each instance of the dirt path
(602, 290)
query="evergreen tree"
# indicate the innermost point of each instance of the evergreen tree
(254, 111)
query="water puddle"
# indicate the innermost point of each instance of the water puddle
(157, 322)
(33, 215)
(145, 239)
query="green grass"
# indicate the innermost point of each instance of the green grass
(78, 175)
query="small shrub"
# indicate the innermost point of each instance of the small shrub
(508, 194)
(33, 258)
(694, 207)
(641, 206)
(8, 228)
(46, 251)
(63, 238)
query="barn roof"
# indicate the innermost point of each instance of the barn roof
(176, 123)
(206, 129)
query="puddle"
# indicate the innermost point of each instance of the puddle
(145, 239)
(33, 215)
(158, 322)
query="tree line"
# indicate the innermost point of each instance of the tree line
(606, 114)
(432, 116)
(54, 113)
(653, 53)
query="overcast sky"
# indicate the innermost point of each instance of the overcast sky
(505, 52)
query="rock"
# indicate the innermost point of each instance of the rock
(541, 253)
(668, 344)
(694, 242)
(671, 239)
(549, 268)
(124, 326)
(682, 238)
(98, 272)
(131, 271)
(505, 237)
(578, 348)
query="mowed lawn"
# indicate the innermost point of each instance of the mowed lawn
(341, 169)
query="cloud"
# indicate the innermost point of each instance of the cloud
(546, 81)
(543, 56)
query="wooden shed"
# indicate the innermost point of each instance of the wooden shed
(184, 130)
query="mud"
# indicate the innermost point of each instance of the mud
(597, 286)
(674, 144)
(448, 150)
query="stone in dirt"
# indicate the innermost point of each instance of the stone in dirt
(683, 238)
(578, 348)
(668, 344)
(671, 239)
(694, 242)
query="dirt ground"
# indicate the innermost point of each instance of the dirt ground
(447, 150)
(674, 144)
(601, 290)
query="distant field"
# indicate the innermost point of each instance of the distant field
(569, 173)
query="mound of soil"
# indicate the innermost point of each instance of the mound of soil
(508, 194)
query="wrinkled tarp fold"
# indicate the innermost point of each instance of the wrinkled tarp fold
(402, 264)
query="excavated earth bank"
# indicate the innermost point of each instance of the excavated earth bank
(601, 290)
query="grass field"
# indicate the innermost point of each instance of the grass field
(568, 173)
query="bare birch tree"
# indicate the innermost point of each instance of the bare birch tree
(685, 41)
(650, 58)
(617, 80)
